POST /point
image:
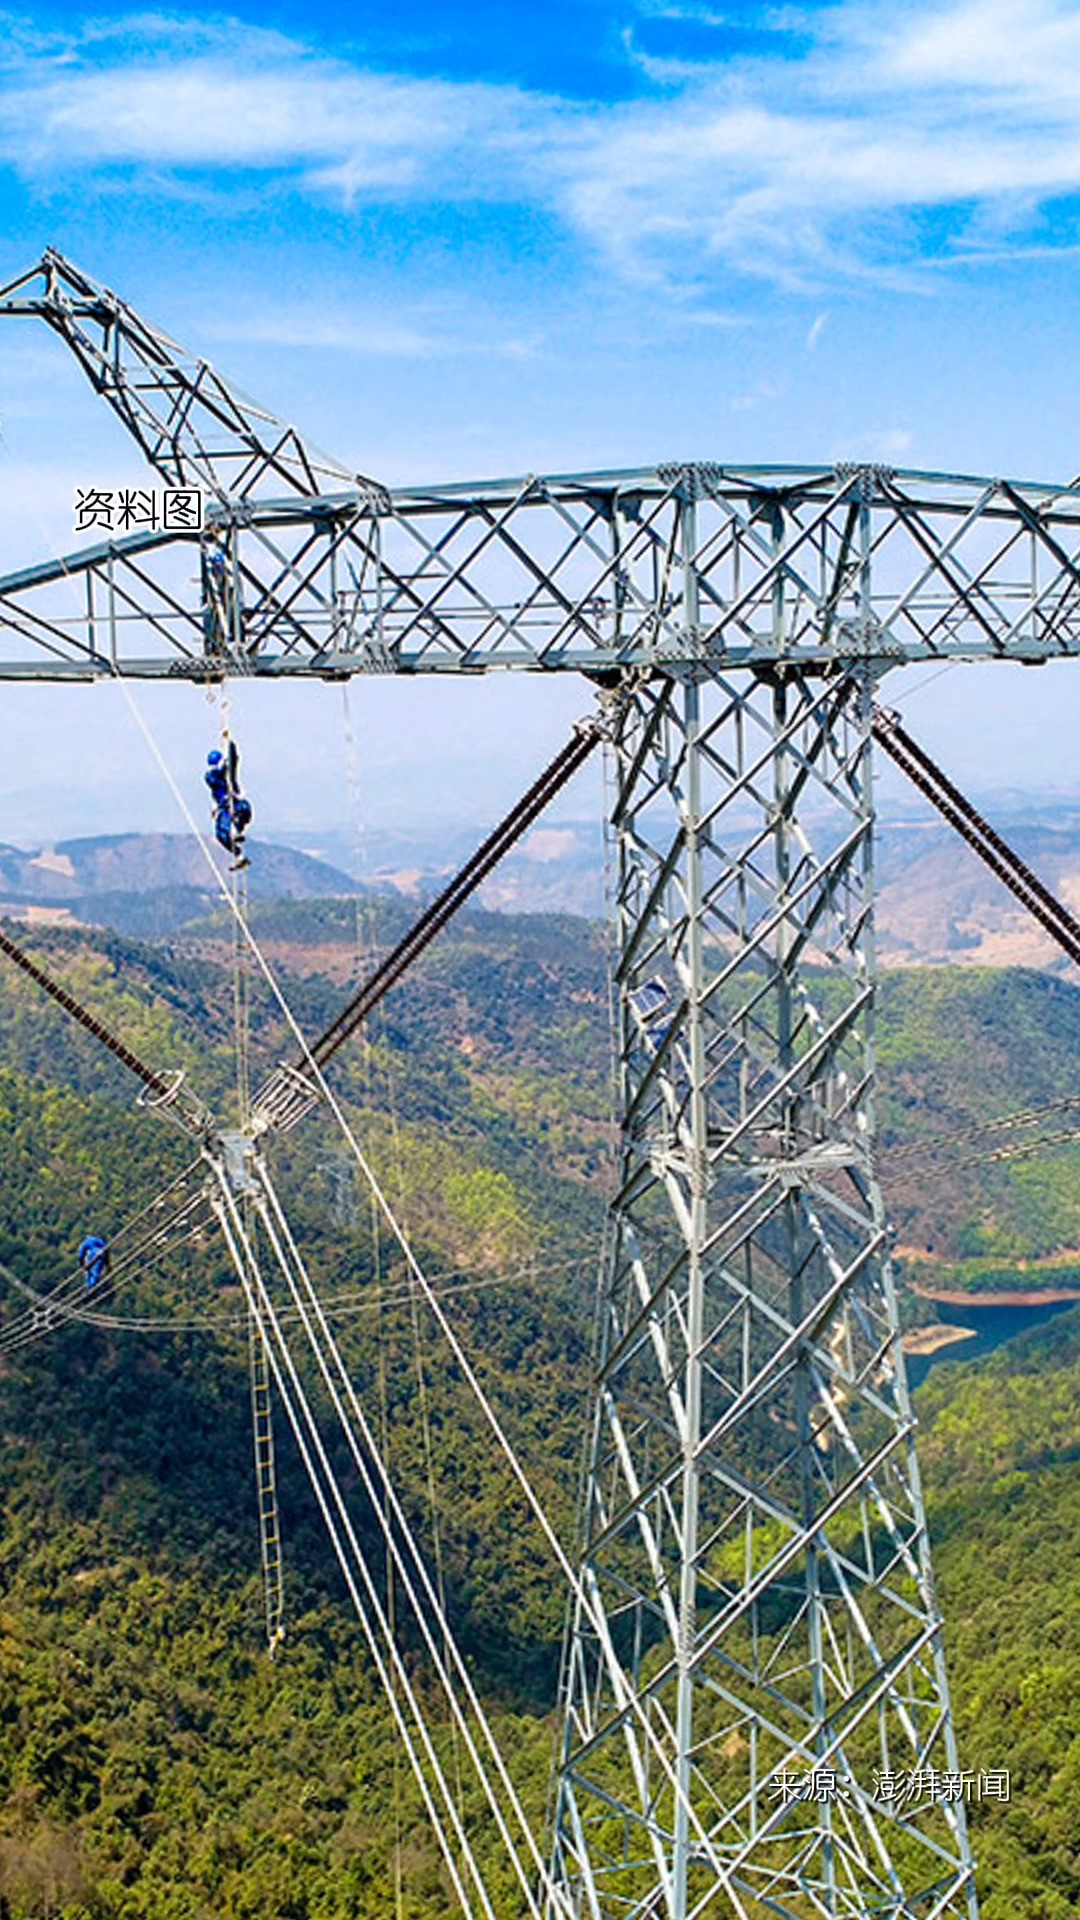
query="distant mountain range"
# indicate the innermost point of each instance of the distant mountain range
(148, 884)
(151, 884)
(937, 904)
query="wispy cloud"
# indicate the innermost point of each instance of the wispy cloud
(875, 139)
(261, 103)
(757, 396)
(370, 333)
(879, 443)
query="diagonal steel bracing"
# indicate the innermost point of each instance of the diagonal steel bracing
(754, 1531)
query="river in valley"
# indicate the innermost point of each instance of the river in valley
(992, 1325)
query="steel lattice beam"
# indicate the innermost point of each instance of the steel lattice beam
(305, 569)
(588, 573)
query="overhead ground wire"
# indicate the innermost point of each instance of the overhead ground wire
(1023, 1117)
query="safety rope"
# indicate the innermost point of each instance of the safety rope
(262, 1413)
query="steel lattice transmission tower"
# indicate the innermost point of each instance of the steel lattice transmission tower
(756, 1606)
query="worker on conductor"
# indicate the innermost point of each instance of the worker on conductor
(93, 1258)
(232, 813)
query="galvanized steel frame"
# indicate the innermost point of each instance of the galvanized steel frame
(754, 1550)
(592, 573)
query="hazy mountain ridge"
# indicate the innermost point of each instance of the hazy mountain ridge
(140, 862)
(937, 904)
(149, 883)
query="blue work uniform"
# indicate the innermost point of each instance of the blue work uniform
(232, 813)
(94, 1259)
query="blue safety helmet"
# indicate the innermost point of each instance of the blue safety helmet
(214, 758)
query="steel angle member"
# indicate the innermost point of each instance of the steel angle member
(694, 1168)
(796, 1170)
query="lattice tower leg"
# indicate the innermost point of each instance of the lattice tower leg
(754, 1539)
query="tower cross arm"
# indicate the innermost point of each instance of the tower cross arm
(686, 574)
(309, 568)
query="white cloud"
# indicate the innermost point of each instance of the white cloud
(803, 167)
(354, 129)
(1003, 46)
(795, 168)
(891, 444)
(757, 396)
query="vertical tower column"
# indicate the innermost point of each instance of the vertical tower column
(756, 1714)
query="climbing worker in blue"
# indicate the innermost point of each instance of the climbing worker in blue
(232, 813)
(94, 1259)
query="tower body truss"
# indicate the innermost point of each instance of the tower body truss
(754, 1541)
(754, 1662)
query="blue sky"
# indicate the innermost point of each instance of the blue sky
(465, 240)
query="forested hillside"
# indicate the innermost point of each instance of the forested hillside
(153, 1761)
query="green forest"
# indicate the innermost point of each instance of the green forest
(155, 1764)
